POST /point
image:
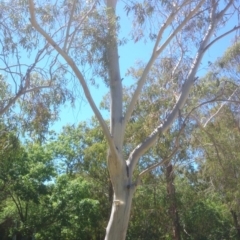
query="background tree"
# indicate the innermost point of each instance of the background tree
(216, 149)
(71, 211)
(23, 176)
(221, 161)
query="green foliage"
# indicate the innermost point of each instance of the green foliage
(201, 216)
(33, 200)
(75, 205)
(81, 149)
(23, 175)
(207, 220)
(220, 161)
(231, 58)
(71, 213)
(153, 207)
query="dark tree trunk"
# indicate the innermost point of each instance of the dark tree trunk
(172, 203)
(236, 223)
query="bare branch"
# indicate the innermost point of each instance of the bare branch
(76, 29)
(18, 95)
(183, 126)
(155, 54)
(180, 27)
(25, 82)
(165, 160)
(151, 139)
(219, 109)
(79, 75)
(165, 25)
(220, 14)
(180, 59)
(69, 25)
(221, 36)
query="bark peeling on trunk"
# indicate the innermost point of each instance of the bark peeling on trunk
(123, 191)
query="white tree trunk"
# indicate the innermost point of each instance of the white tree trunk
(120, 213)
(117, 166)
(122, 200)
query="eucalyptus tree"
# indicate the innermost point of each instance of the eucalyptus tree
(82, 39)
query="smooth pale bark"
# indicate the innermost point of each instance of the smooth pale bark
(120, 213)
(122, 199)
(156, 52)
(120, 170)
(117, 166)
(77, 72)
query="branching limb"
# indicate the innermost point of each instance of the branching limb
(220, 14)
(165, 26)
(69, 25)
(79, 75)
(20, 93)
(77, 28)
(165, 160)
(180, 27)
(151, 139)
(221, 36)
(155, 54)
(24, 85)
(218, 17)
(220, 108)
(180, 59)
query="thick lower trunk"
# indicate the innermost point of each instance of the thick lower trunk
(122, 199)
(176, 232)
(119, 219)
